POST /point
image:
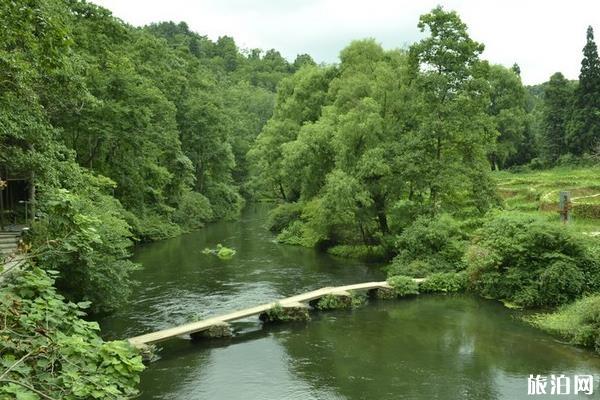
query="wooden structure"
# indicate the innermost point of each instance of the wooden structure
(16, 198)
(291, 302)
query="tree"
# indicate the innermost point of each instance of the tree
(516, 69)
(584, 129)
(299, 100)
(302, 60)
(454, 132)
(556, 112)
(507, 109)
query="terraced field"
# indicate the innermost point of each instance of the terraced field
(537, 191)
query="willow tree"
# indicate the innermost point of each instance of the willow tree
(299, 101)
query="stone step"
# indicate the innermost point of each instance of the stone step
(7, 249)
(9, 239)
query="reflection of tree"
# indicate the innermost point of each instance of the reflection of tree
(428, 347)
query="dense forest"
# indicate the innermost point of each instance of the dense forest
(135, 134)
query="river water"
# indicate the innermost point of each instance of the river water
(427, 347)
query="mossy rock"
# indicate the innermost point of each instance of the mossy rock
(224, 253)
(340, 302)
(149, 353)
(384, 294)
(334, 302)
(285, 314)
(215, 331)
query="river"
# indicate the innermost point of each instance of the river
(426, 347)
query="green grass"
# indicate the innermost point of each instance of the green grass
(578, 323)
(537, 192)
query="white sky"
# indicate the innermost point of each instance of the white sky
(542, 36)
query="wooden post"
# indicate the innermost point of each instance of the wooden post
(32, 210)
(565, 207)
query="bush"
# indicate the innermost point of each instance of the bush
(403, 285)
(226, 202)
(88, 242)
(283, 215)
(428, 246)
(579, 323)
(62, 356)
(151, 227)
(193, 212)
(537, 164)
(293, 234)
(359, 251)
(530, 262)
(588, 211)
(444, 282)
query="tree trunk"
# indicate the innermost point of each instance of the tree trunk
(282, 192)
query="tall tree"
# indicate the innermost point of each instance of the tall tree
(507, 109)
(454, 132)
(558, 96)
(584, 130)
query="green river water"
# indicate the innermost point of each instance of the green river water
(427, 347)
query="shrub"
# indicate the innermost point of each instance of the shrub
(88, 243)
(193, 211)
(292, 234)
(151, 227)
(530, 262)
(283, 215)
(537, 164)
(360, 251)
(62, 356)
(579, 323)
(589, 211)
(428, 246)
(444, 282)
(226, 202)
(403, 285)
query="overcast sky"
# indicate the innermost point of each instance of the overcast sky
(542, 36)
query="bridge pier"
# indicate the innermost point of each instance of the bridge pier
(290, 311)
(383, 293)
(218, 330)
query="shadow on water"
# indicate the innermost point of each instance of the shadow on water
(428, 347)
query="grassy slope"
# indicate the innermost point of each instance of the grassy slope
(537, 192)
